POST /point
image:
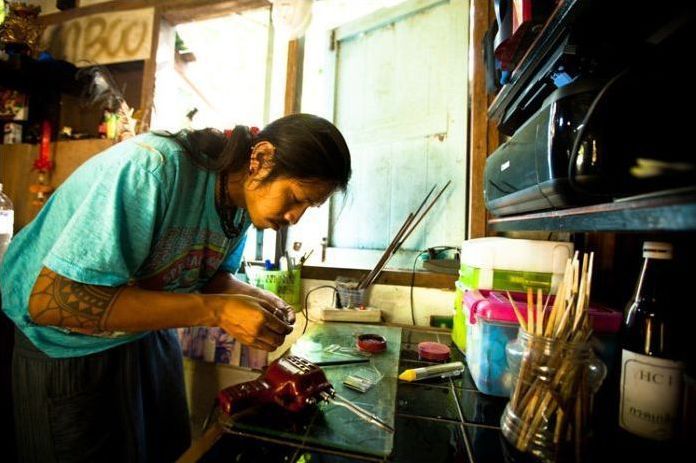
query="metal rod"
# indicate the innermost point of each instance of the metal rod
(361, 412)
(401, 236)
(365, 282)
(424, 213)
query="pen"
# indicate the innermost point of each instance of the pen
(443, 371)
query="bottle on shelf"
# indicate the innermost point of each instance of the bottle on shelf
(651, 357)
(6, 222)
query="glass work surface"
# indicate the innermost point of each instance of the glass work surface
(331, 426)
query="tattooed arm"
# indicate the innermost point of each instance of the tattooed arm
(92, 309)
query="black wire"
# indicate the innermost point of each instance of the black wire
(413, 279)
(306, 303)
(413, 272)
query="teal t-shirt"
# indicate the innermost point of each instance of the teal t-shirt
(139, 213)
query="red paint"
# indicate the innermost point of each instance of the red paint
(433, 351)
(373, 343)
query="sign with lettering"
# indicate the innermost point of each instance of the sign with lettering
(102, 38)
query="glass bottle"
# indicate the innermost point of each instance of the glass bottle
(651, 366)
(6, 222)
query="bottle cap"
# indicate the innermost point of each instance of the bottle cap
(657, 250)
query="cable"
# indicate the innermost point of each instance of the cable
(306, 303)
(413, 279)
(413, 272)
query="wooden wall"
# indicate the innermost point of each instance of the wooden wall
(16, 170)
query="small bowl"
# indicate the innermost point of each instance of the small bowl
(372, 343)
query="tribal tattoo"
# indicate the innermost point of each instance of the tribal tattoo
(79, 307)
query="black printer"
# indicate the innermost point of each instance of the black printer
(593, 141)
(529, 172)
(621, 124)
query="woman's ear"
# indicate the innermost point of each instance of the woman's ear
(261, 160)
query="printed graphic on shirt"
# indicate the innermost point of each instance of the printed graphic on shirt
(183, 259)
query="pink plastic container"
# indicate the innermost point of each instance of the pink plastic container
(492, 324)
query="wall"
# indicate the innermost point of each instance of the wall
(16, 172)
(394, 301)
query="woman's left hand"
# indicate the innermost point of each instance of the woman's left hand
(225, 283)
(283, 310)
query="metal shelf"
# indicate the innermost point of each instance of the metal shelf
(664, 213)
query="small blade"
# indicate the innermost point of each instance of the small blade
(361, 412)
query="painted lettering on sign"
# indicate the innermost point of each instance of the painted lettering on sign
(102, 38)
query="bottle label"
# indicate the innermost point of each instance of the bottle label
(651, 390)
(6, 222)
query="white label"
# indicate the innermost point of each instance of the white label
(651, 389)
(6, 222)
(504, 166)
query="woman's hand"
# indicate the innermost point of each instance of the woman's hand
(225, 283)
(252, 321)
(279, 305)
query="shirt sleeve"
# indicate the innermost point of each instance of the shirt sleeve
(234, 258)
(112, 228)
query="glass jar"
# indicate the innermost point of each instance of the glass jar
(549, 411)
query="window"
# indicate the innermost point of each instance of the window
(395, 83)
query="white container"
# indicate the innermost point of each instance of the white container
(513, 264)
(506, 264)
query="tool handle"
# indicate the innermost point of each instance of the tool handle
(239, 397)
(444, 370)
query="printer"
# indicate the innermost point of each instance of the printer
(595, 141)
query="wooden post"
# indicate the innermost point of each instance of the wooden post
(293, 82)
(483, 135)
(293, 104)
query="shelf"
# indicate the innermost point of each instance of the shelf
(665, 213)
(30, 75)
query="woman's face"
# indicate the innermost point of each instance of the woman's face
(282, 201)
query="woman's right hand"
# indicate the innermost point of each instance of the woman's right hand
(251, 321)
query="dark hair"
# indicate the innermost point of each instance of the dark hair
(306, 147)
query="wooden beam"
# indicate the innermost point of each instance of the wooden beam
(479, 126)
(147, 94)
(213, 9)
(293, 82)
(176, 11)
(388, 277)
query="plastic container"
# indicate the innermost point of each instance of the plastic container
(506, 264)
(285, 284)
(492, 324)
(349, 296)
(512, 264)
(6, 222)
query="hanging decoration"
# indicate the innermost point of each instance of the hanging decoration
(43, 165)
(101, 90)
(291, 18)
(20, 31)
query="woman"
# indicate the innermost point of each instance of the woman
(137, 242)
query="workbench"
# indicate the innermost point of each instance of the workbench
(436, 420)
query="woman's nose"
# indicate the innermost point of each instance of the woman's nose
(294, 214)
